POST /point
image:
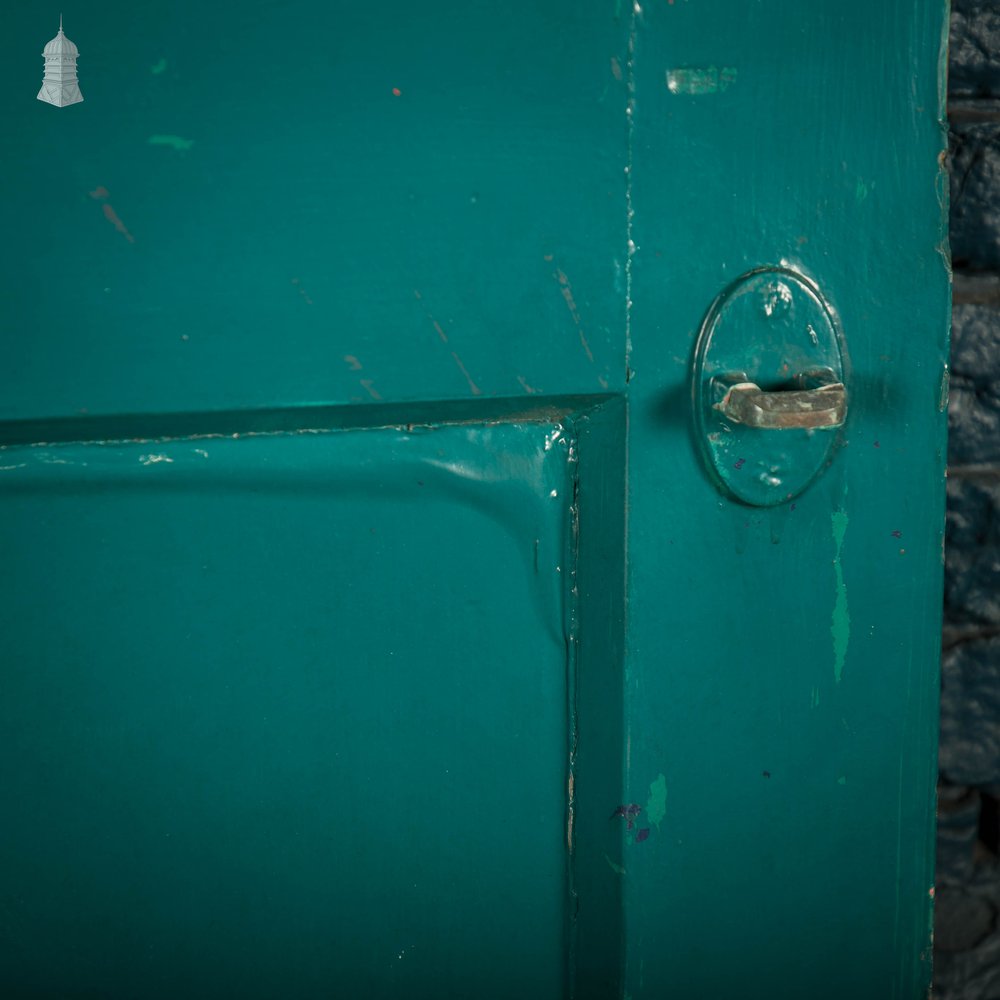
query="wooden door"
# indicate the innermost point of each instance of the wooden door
(388, 605)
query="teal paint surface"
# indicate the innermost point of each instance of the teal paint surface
(840, 629)
(270, 778)
(312, 686)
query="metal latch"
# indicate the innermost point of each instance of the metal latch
(769, 386)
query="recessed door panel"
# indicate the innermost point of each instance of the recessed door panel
(287, 715)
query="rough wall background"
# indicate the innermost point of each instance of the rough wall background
(967, 904)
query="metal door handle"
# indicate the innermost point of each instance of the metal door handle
(746, 403)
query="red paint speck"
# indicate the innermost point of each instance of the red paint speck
(396, 92)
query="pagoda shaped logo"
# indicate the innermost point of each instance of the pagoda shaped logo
(59, 85)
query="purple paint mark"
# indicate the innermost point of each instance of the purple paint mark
(767, 774)
(642, 835)
(897, 534)
(740, 462)
(793, 506)
(628, 813)
(877, 445)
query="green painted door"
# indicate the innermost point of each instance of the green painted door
(408, 589)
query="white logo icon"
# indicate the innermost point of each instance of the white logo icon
(59, 86)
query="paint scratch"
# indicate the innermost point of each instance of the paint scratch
(617, 869)
(101, 193)
(840, 627)
(159, 67)
(468, 378)
(524, 384)
(181, 145)
(567, 293)
(443, 337)
(367, 384)
(112, 217)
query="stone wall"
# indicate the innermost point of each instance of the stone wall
(967, 902)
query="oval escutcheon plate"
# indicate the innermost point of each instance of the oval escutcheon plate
(768, 373)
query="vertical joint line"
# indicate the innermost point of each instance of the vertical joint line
(571, 620)
(629, 210)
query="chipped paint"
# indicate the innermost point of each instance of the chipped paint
(700, 80)
(154, 459)
(570, 810)
(656, 804)
(628, 813)
(181, 145)
(840, 626)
